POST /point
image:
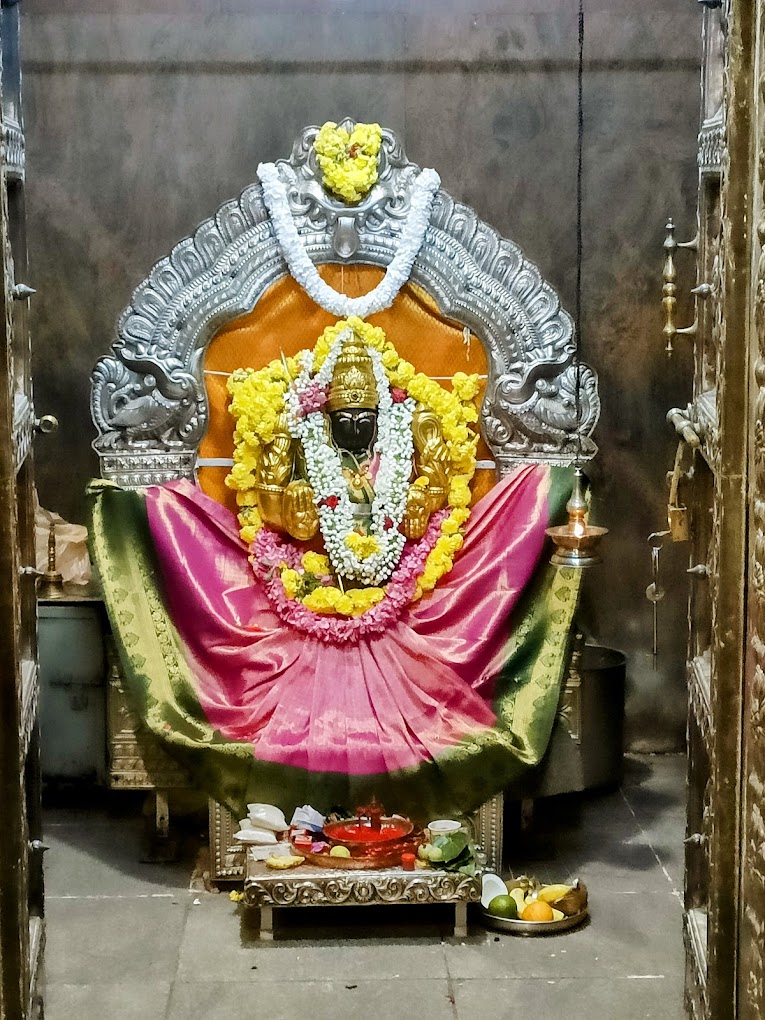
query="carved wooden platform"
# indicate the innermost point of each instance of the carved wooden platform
(311, 886)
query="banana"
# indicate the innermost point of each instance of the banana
(282, 863)
(551, 893)
(518, 896)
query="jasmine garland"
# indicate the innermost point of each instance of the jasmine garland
(306, 273)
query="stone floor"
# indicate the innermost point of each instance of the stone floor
(131, 941)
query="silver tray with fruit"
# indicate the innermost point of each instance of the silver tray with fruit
(527, 907)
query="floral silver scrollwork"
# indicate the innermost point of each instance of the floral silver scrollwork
(148, 394)
(384, 887)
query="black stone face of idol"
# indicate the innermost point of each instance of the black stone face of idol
(353, 428)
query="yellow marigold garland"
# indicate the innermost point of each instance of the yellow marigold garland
(348, 162)
(353, 602)
(258, 400)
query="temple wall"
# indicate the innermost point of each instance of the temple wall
(142, 118)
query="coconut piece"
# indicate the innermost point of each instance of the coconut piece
(574, 902)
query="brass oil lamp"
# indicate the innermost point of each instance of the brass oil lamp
(576, 542)
(51, 582)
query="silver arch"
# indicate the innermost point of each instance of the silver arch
(148, 399)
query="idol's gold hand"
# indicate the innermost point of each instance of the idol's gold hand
(301, 518)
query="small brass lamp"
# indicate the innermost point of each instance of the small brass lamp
(576, 542)
(51, 583)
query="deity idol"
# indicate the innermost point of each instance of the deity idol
(347, 448)
(285, 499)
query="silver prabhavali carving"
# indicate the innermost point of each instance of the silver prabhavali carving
(711, 145)
(334, 888)
(23, 427)
(13, 149)
(148, 397)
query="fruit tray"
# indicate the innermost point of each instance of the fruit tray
(514, 926)
(570, 904)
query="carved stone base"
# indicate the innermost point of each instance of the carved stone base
(309, 886)
(136, 758)
(227, 855)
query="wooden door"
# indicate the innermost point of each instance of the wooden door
(725, 845)
(21, 873)
(751, 962)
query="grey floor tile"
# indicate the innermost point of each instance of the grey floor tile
(626, 936)
(572, 998)
(103, 853)
(624, 865)
(628, 840)
(656, 771)
(140, 941)
(114, 941)
(220, 943)
(321, 1000)
(136, 1001)
(632, 866)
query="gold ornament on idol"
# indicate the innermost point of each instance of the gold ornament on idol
(353, 381)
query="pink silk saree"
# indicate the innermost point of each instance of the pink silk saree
(433, 715)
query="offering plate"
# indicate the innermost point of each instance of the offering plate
(514, 925)
(371, 828)
(361, 832)
(365, 855)
(517, 926)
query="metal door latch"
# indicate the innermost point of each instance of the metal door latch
(696, 839)
(700, 570)
(48, 424)
(654, 592)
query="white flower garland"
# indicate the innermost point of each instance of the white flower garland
(394, 447)
(306, 273)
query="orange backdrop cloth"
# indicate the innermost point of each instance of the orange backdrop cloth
(286, 320)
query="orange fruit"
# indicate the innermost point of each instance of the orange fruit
(537, 911)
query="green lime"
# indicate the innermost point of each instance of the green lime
(503, 906)
(339, 851)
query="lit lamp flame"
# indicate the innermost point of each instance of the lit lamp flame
(576, 541)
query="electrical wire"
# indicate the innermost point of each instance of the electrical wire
(578, 295)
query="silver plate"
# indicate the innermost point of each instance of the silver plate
(514, 926)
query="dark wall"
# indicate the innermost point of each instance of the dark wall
(142, 118)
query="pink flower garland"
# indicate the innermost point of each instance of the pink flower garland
(269, 552)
